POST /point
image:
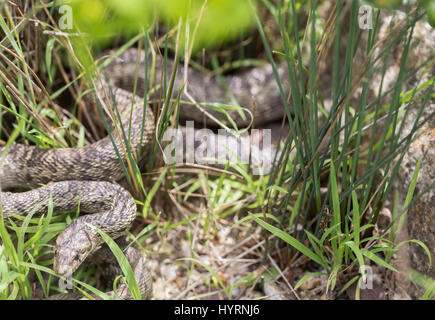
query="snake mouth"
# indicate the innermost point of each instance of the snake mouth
(71, 251)
(67, 260)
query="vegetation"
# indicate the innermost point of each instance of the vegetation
(323, 196)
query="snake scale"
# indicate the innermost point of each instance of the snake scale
(86, 178)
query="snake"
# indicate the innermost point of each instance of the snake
(87, 178)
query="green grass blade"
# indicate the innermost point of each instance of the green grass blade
(123, 263)
(290, 240)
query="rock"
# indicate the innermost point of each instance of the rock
(277, 291)
(420, 222)
(421, 215)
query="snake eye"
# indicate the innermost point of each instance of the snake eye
(76, 257)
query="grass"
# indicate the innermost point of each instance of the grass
(322, 198)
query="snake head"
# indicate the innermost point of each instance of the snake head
(72, 248)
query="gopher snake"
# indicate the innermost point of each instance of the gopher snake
(86, 177)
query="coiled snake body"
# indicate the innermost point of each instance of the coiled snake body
(86, 177)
